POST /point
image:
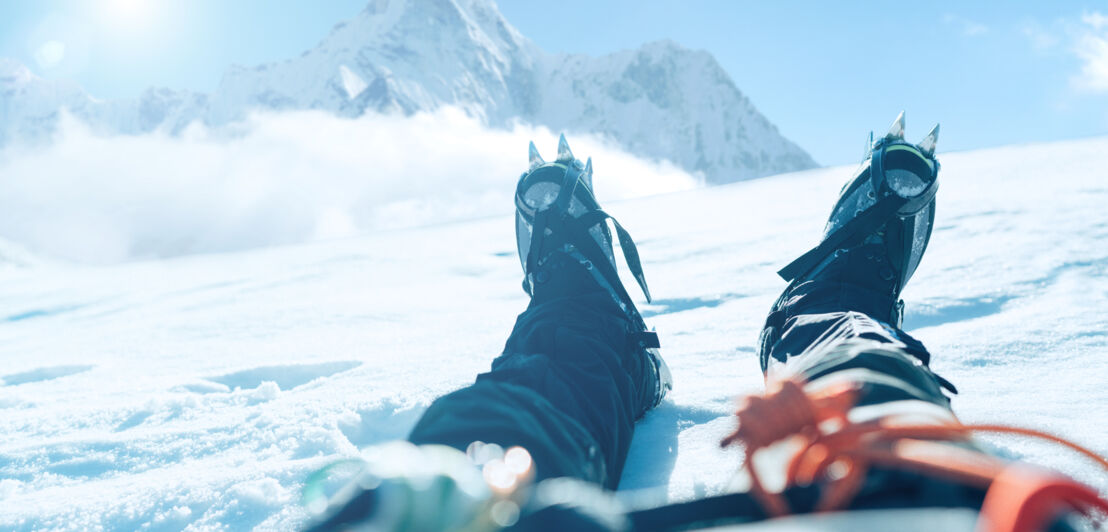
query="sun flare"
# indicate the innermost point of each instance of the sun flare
(128, 12)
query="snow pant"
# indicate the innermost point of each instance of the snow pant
(568, 388)
(825, 332)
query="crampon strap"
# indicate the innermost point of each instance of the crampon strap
(1018, 498)
(576, 229)
(855, 230)
(849, 235)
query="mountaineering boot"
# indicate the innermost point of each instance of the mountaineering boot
(566, 248)
(880, 226)
(874, 239)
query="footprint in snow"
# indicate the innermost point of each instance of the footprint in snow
(42, 374)
(286, 377)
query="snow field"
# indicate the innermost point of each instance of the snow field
(199, 392)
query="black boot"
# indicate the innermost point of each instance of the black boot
(565, 245)
(874, 239)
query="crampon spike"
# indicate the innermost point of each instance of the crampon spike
(533, 157)
(927, 145)
(564, 155)
(586, 175)
(896, 131)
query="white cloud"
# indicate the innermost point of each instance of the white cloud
(1040, 38)
(1091, 47)
(968, 27)
(280, 178)
(1096, 20)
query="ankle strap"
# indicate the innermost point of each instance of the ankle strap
(888, 204)
(575, 231)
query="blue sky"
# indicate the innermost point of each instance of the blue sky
(992, 73)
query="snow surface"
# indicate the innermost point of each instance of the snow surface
(199, 392)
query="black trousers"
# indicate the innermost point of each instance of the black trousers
(569, 385)
(825, 332)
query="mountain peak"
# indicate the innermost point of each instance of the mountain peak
(405, 20)
(662, 101)
(12, 71)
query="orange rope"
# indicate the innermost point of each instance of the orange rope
(850, 448)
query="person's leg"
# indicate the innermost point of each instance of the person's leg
(839, 318)
(837, 323)
(579, 367)
(568, 388)
(577, 371)
(835, 333)
(831, 329)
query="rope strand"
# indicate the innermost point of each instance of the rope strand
(787, 411)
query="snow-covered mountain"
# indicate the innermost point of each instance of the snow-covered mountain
(661, 101)
(30, 107)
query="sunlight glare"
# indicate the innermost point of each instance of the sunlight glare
(128, 12)
(50, 54)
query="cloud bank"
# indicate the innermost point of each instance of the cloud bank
(1092, 47)
(279, 179)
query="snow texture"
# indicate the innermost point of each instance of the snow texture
(660, 102)
(200, 392)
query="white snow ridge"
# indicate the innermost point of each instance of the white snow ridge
(351, 82)
(200, 392)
